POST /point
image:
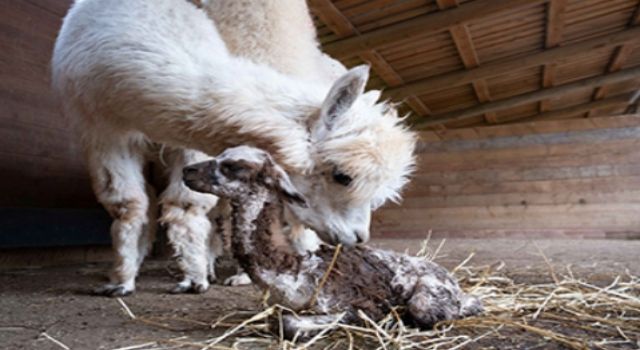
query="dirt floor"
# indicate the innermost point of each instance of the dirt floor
(38, 303)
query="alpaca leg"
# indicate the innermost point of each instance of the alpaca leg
(215, 250)
(188, 227)
(116, 169)
(470, 306)
(219, 241)
(145, 242)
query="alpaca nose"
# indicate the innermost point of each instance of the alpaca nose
(361, 237)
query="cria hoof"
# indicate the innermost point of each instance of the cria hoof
(113, 290)
(240, 279)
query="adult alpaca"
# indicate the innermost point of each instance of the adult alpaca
(280, 34)
(130, 73)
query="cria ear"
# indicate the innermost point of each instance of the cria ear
(343, 94)
(276, 178)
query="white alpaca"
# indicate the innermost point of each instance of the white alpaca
(359, 278)
(142, 71)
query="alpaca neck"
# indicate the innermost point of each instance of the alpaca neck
(257, 239)
(240, 102)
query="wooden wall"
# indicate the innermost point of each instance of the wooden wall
(40, 161)
(576, 177)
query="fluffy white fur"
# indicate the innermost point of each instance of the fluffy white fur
(133, 72)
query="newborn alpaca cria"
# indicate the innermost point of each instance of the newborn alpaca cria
(361, 278)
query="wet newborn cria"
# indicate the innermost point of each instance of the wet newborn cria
(362, 278)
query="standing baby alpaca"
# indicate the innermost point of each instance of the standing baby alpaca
(361, 278)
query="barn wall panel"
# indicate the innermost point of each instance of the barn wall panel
(551, 178)
(41, 162)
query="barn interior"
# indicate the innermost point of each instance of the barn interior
(527, 114)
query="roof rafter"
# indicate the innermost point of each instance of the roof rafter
(555, 26)
(341, 26)
(421, 25)
(462, 39)
(618, 59)
(619, 100)
(535, 96)
(557, 55)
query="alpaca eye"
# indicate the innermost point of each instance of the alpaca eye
(231, 169)
(341, 178)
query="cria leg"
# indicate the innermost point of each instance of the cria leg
(239, 279)
(116, 169)
(302, 327)
(434, 300)
(188, 226)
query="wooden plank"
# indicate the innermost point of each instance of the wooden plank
(515, 148)
(560, 155)
(518, 199)
(421, 25)
(535, 128)
(609, 216)
(620, 100)
(559, 55)
(535, 96)
(587, 185)
(488, 175)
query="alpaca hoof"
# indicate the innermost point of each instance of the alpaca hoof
(190, 287)
(240, 279)
(113, 290)
(199, 288)
(180, 289)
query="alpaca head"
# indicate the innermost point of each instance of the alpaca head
(239, 172)
(362, 156)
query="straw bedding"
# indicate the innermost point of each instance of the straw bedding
(563, 313)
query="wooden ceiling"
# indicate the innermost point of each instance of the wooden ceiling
(461, 63)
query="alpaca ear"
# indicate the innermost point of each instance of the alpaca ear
(278, 179)
(343, 94)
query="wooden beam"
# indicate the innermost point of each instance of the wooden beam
(342, 27)
(555, 22)
(620, 56)
(618, 59)
(535, 96)
(548, 77)
(555, 26)
(421, 25)
(467, 52)
(557, 55)
(619, 100)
